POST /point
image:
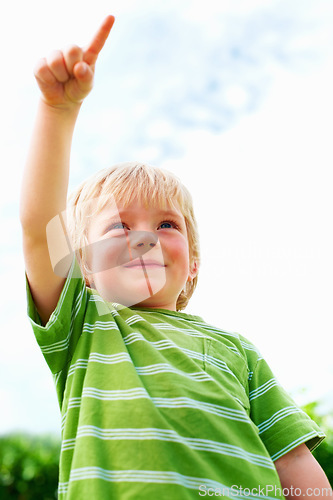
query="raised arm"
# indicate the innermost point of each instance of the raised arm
(65, 78)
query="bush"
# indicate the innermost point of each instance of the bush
(29, 467)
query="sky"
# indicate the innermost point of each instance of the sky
(235, 97)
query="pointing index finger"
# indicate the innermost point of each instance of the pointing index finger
(97, 43)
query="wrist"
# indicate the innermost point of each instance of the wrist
(68, 110)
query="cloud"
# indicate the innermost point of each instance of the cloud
(193, 71)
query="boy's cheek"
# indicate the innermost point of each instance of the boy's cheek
(179, 248)
(107, 254)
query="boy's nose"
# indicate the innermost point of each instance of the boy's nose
(138, 243)
(142, 241)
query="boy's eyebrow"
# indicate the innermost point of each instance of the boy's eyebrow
(123, 212)
(110, 218)
(174, 213)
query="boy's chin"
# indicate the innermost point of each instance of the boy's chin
(155, 302)
(140, 295)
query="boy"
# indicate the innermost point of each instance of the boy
(155, 403)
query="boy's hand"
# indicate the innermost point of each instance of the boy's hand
(65, 78)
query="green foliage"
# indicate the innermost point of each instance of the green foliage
(29, 467)
(324, 452)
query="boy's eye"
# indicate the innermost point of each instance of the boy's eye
(116, 225)
(168, 224)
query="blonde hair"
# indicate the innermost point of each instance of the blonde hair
(127, 182)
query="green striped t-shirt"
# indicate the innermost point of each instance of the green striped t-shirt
(159, 405)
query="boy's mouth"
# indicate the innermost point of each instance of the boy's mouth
(140, 263)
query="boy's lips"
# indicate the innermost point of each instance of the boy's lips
(139, 263)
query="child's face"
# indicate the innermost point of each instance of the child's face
(153, 279)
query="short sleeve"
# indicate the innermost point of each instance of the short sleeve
(58, 338)
(281, 423)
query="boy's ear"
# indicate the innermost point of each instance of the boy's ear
(193, 271)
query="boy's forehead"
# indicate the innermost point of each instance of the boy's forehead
(112, 209)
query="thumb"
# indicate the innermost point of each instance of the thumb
(83, 72)
(82, 82)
